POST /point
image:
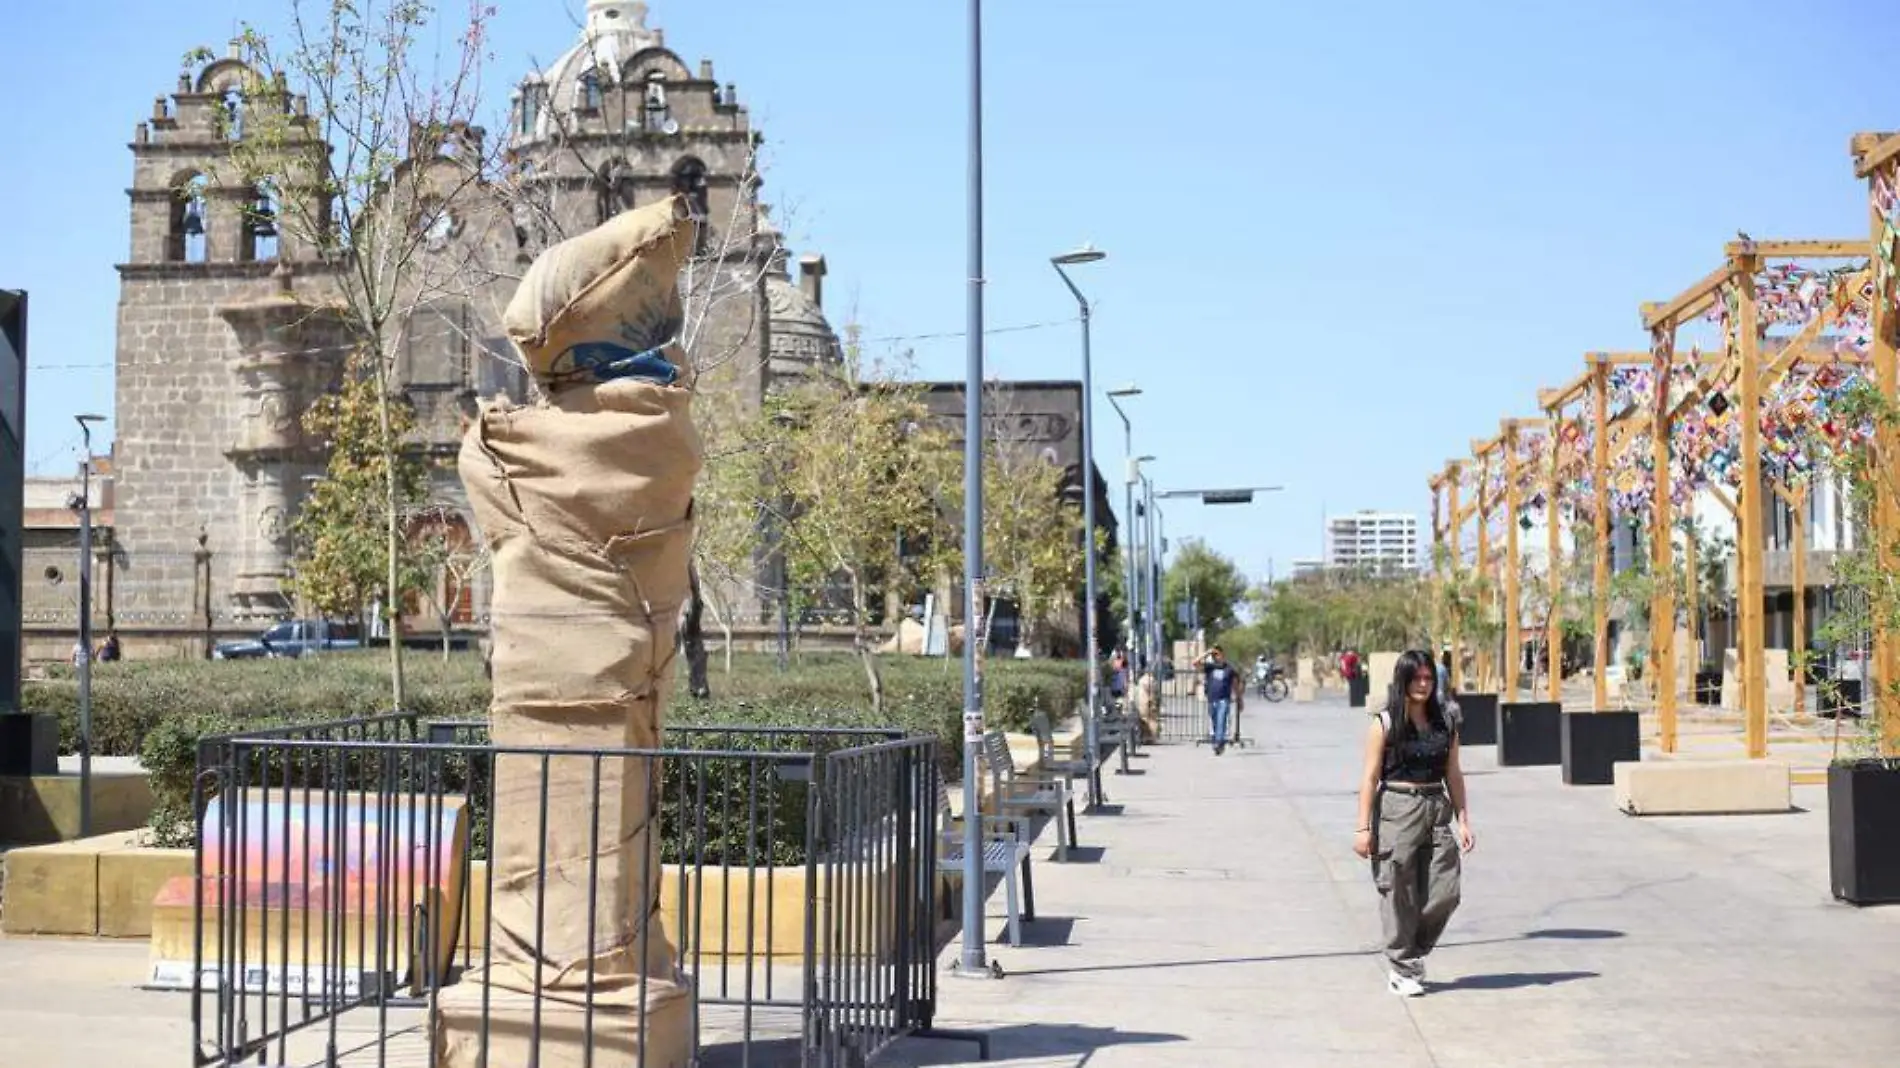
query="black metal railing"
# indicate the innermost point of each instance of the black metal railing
(345, 883)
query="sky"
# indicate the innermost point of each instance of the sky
(1343, 240)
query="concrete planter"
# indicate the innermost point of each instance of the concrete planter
(1863, 825)
(1480, 712)
(1594, 742)
(1530, 734)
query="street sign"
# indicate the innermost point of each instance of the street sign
(1227, 497)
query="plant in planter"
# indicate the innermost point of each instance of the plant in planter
(1864, 778)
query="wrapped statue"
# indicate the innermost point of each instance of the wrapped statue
(585, 500)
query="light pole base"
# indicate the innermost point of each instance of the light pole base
(993, 969)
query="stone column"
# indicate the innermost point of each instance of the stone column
(289, 354)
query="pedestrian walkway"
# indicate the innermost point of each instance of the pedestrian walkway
(1227, 922)
(1217, 917)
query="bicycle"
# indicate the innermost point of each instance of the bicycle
(1273, 686)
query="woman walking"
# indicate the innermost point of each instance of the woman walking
(1410, 793)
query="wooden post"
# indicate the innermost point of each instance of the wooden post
(1885, 671)
(1600, 583)
(1437, 621)
(1662, 601)
(1553, 627)
(1797, 501)
(1513, 507)
(1750, 646)
(1484, 556)
(1452, 475)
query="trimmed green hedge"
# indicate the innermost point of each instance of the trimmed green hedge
(158, 710)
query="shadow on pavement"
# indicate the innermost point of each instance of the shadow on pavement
(1081, 855)
(1555, 933)
(1047, 932)
(1024, 1040)
(1509, 981)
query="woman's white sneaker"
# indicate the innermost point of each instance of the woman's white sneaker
(1403, 985)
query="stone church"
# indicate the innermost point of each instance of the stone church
(222, 342)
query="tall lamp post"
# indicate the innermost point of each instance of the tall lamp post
(1090, 735)
(1129, 478)
(970, 962)
(85, 623)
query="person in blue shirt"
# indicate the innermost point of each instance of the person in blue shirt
(1221, 683)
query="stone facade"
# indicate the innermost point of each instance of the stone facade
(215, 365)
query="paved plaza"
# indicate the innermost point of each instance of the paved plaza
(1218, 917)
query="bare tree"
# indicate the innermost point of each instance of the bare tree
(356, 127)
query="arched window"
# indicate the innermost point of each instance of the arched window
(587, 91)
(528, 110)
(689, 181)
(614, 189)
(656, 115)
(261, 238)
(231, 105)
(185, 237)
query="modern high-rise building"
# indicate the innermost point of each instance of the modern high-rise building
(1385, 541)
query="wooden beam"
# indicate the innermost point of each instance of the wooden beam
(1798, 249)
(1871, 151)
(1550, 399)
(1662, 603)
(1690, 302)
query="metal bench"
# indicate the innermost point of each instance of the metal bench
(1024, 793)
(1005, 852)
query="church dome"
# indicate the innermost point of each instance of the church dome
(616, 33)
(802, 338)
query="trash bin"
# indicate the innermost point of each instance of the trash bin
(1708, 687)
(1356, 689)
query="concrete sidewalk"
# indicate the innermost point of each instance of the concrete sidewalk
(1227, 922)
(1222, 920)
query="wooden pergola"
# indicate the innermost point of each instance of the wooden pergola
(1733, 289)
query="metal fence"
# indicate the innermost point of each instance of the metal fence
(1184, 718)
(344, 891)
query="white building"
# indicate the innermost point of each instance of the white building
(1385, 541)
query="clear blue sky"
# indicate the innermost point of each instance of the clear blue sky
(1345, 238)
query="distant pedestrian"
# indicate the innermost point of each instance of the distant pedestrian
(1349, 665)
(1225, 693)
(80, 654)
(109, 649)
(1410, 792)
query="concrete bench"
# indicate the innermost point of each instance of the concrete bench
(1695, 787)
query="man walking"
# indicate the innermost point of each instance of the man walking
(1221, 684)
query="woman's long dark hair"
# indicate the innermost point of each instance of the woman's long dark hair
(1411, 662)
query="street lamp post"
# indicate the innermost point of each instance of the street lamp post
(1128, 509)
(84, 661)
(1090, 735)
(971, 961)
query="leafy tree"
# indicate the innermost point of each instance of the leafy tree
(861, 469)
(1213, 582)
(1032, 538)
(341, 559)
(731, 520)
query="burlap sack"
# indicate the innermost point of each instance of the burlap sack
(586, 509)
(605, 305)
(585, 502)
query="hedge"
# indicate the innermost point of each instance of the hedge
(158, 710)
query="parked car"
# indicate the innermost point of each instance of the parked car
(291, 638)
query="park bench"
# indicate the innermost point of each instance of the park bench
(1005, 852)
(1024, 793)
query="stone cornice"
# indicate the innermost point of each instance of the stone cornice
(258, 269)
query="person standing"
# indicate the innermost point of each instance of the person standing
(1225, 694)
(1410, 793)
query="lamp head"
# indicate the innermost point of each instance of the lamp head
(1129, 390)
(1085, 254)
